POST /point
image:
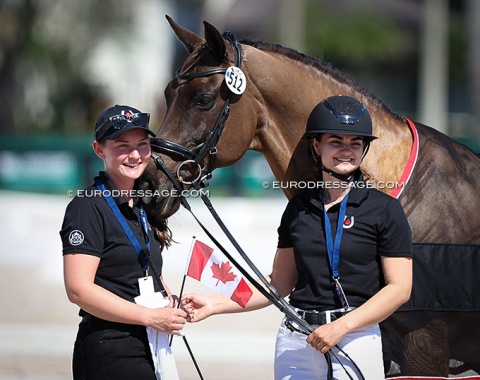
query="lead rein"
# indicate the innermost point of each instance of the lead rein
(273, 296)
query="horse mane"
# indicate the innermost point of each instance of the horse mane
(322, 66)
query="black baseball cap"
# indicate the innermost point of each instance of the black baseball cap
(116, 120)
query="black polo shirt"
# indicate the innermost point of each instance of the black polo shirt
(90, 227)
(375, 225)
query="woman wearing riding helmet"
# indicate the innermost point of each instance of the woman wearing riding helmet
(342, 290)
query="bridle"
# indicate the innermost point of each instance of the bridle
(196, 157)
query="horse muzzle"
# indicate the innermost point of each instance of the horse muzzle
(160, 196)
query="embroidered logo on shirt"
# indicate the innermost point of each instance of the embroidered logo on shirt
(348, 222)
(76, 237)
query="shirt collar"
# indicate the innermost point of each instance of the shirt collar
(358, 193)
(119, 200)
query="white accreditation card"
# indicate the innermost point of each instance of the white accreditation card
(148, 296)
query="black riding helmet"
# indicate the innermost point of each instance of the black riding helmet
(341, 115)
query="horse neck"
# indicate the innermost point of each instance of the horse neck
(285, 103)
(388, 155)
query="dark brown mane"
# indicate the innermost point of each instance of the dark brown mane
(322, 66)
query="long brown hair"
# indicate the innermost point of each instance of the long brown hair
(164, 234)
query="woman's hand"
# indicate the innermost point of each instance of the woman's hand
(324, 337)
(167, 319)
(198, 307)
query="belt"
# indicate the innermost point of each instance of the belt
(316, 317)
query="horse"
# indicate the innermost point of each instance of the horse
(211, 122)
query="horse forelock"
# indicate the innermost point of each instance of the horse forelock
(194, 58)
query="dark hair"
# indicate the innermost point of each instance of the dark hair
(164, 234)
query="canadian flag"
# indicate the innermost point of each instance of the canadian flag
(212, 270)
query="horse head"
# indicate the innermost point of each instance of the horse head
(196, 136)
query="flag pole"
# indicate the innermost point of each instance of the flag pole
(178, 306)
(186, 270)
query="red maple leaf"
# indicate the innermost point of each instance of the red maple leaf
(222, 272)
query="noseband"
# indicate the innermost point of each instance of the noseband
(196, 156)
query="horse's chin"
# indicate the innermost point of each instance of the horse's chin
(170, 207)
(163, 207)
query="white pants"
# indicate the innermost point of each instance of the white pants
(295, 359)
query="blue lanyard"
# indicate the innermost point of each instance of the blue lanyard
(128, 231)
(333, 248)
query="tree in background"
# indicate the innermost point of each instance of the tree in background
(44, 46)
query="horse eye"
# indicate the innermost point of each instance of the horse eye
(204, 101)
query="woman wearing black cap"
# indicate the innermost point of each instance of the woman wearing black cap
(343, 257)
(111, 256)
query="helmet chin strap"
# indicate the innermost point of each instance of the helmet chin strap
(318, 162)
(341, 177)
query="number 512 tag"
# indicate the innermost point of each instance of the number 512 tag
(236, 80)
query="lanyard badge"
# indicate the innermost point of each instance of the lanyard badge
(333, 249)
(148, 296)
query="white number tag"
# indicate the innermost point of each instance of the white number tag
(236, 80)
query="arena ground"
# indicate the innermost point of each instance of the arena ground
(38, 323)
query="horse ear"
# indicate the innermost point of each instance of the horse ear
(189, 39)
(215, 41)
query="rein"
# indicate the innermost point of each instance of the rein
(196, 157)
(273, 296)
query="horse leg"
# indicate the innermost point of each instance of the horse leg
(465, 338)
(426, 350)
